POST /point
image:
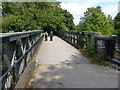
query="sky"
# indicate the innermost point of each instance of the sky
(78, 7)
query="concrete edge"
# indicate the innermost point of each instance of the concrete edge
(26, 76)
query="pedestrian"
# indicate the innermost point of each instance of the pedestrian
(46, 35)
(51, 35)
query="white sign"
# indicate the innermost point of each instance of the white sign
(100, 44)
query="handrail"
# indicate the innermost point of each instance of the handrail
(18, 49)
(100, 42)
(3, 35)
(18, 34)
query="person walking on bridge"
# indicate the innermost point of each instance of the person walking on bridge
(51, 35)
(46, 35)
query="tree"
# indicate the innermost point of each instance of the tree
(94, 20)
(117, 23)
(35, 15)
(68, 20)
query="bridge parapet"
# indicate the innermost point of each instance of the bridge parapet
(17, 50)
(109, 44)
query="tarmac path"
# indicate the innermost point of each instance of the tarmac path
(60, 65)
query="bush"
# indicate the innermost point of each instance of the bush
(95, 57)
(90, 48)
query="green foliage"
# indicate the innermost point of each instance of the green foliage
(103, 55)
(7, 22)
(117, 23)
(49, 16)
(95, 57)
(90, 49)
(94, 20)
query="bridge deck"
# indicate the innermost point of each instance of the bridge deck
(60, 65)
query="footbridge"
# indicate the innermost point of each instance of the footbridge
(59, 63)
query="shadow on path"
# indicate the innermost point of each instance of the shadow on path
(61, 66)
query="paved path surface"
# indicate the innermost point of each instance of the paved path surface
(60, 65)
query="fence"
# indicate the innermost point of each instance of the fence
(17, 49)
(109, 44)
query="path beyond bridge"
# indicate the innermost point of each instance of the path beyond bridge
(60, 65)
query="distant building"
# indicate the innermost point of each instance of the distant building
(119, 7)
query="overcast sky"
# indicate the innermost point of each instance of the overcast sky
(78, 7)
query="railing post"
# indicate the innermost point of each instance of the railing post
(82, 40)
(89, 38)
(107, 43)
(110, 48)
(71, 36)
(77, 38)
